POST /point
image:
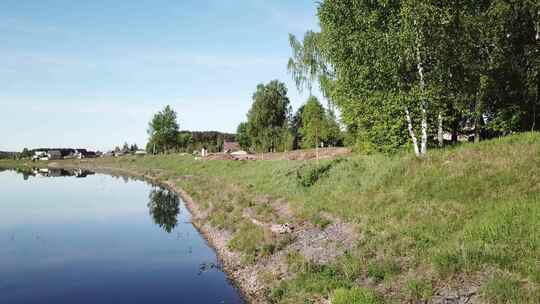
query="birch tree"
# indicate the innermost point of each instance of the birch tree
(313, 119)
(361, 41)
(404, 72)
(308, 65)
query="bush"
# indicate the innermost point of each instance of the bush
(248, 239)
(420, 290)
(354, 296)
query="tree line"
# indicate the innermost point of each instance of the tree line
(422, 73)
(165, 136)
(271, 125)
(402, 74)
(9, 155)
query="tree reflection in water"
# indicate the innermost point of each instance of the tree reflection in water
(164, 208)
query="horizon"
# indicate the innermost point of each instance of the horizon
(92, 75)
(112, 148)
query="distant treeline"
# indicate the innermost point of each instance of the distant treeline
(8, 155)
(165, 136)
(190, 141)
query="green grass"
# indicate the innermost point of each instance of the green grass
(420, 291)
(503, 289)
(381, 270)
(19, 164)
(354, 296)
(464, 211)
(312, 281)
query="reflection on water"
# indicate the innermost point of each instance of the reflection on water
(53, 172)
(101, 239)
(164, 207)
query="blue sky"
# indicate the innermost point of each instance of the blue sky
(92, 73)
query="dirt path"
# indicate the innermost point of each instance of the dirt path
(307, 154)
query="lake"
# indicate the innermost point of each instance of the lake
(72, 236)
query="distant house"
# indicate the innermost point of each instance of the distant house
(87, 154)
(140, 152)
(40, 155)
(231, 146)
(61, 153)
(54, 154)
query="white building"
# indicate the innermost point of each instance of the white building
(40, 155)
(54, 154)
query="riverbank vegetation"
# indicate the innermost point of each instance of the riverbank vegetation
(464, 219)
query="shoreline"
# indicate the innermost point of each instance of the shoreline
(371, 226)
(316, 245)
(216, 239)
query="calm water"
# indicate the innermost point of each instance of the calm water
(92, 238)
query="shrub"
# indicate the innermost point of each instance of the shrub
(247, 239)
(420, 290)
(354, 296)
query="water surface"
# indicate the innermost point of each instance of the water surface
(76, 237)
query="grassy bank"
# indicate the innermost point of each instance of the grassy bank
(467, 218)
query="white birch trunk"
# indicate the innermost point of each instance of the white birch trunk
(440, 136)
(420, 68)
(317, 145)
(411, 132)
(424, 126)
(537, 37)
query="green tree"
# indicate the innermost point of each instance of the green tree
(184, 140)
(308, 66)
(125, 148)
(163, 131)
(406, 71)
(362, 42)
(242, 136)
(268, 116)
(314, 123)
(26, 153)
(510, 39)
(164, 207)
(332, 136)
(296, 127)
